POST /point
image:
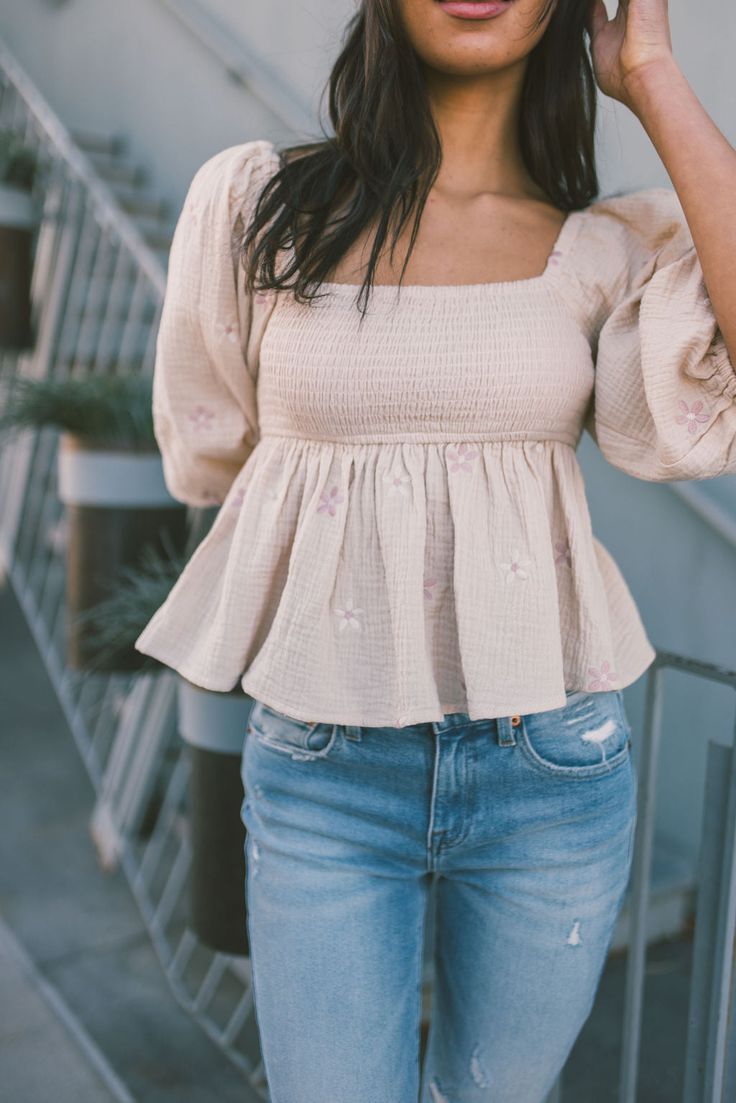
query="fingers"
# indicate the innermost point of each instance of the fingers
(597, 17)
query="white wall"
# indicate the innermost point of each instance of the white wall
(132, 68)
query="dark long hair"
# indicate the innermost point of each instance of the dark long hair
(386, 151)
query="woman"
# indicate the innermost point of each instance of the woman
(402, 573)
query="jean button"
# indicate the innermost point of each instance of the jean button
(515, 721)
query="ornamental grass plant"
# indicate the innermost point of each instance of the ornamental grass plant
(108, 410)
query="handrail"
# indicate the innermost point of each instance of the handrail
(79, 166)
(714, 514)
(243, 65)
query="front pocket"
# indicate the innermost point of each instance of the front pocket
(588, 737)
(300, 738)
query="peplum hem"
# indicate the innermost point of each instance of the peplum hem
(388, 584)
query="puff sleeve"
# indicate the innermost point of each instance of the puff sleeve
(664, 400)
(204, 404)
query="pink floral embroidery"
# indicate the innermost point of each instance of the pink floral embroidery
(428, 584)
(349, 616)
(329, 501)
(564, 555)
(263, 296)
(201, 417)
(515, 568)
(691, 415)
(603, 678)
(238, 498)
(460, 457)
(229, 331)
(398, 483)
(554, 256)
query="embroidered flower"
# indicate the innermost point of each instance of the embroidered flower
(554, 256)
(229, 331)
(398, 483)
(691, 415)
(428, 584)
(349, 616)
(329, 500)
(603, 678)
(201, 417)
(238, 498)
(459, 458)
(515, 568)
(262, 297)
(563, 553)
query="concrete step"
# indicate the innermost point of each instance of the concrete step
(94, 142)
(79, 924)
(45, 1052)
(139, 203)
(115, 170)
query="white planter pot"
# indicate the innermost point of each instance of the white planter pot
(18, 208)
(92, 477)
(213, 721)
(117, 504)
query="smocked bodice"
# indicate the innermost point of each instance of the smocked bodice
(403, 528)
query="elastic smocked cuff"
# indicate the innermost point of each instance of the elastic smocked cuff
(723, 378)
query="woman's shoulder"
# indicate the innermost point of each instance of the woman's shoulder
(617, 243)
(230, 175)
(634, 227)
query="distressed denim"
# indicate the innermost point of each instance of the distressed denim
(525, 825)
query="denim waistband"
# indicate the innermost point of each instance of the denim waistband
(501, 727)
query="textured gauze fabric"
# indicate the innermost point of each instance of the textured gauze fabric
(403, 529)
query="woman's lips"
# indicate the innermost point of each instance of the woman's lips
(474, 9)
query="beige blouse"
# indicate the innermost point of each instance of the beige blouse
(403, 528)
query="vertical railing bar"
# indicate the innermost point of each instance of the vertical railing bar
(173, 887)
(84, 263)
(28, 535)
(171, 804)
(70, 215)
(183, 954)
(210, 981)
(724, 948)
(642, 863)
(235, 1023)
(113, 320)
(134, 321)
(710, 859)
(39, 553)
(91, 306)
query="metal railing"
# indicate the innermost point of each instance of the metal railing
(97, 291)
(711, 1042)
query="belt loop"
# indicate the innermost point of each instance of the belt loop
(505, 731)
(352, 731)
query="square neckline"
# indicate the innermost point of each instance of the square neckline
(568, 227)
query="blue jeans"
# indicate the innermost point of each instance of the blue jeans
(526, 826)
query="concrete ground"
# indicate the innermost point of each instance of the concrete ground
(86, 1012)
